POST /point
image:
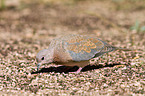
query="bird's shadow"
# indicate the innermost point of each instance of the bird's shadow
(67, 69)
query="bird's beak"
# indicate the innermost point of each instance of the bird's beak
(38, 66)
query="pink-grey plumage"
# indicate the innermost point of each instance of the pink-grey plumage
(73, 50)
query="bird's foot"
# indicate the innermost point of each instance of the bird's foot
(78, 71)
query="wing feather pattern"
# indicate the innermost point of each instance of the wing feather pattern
(83, 47)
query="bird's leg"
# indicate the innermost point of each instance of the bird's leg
(78, 71)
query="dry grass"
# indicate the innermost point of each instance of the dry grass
(27, 27)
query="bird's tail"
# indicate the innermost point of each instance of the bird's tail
(123, 49)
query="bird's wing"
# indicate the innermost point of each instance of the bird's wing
(83, 47)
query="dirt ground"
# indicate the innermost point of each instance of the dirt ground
(26, 27)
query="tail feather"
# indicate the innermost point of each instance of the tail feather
(123, 49)
(110, 48)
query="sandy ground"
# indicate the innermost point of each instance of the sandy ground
(28, 27)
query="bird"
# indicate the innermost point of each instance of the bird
(73, 50)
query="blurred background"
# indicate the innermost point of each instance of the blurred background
(42, 20)
(59, 17)
(46, 19)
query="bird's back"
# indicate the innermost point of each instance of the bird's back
(79, 47)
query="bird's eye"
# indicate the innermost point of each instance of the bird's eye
(42, 58)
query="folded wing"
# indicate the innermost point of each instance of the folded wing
(84, 48)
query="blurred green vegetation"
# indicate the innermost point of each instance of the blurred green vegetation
(137, 27)
(2, 4)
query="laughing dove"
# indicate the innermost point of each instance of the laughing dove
(73, 50)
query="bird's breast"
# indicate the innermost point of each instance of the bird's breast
(71, 63)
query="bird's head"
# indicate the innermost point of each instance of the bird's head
(44, 56)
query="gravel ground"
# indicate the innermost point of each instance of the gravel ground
(28, 27)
